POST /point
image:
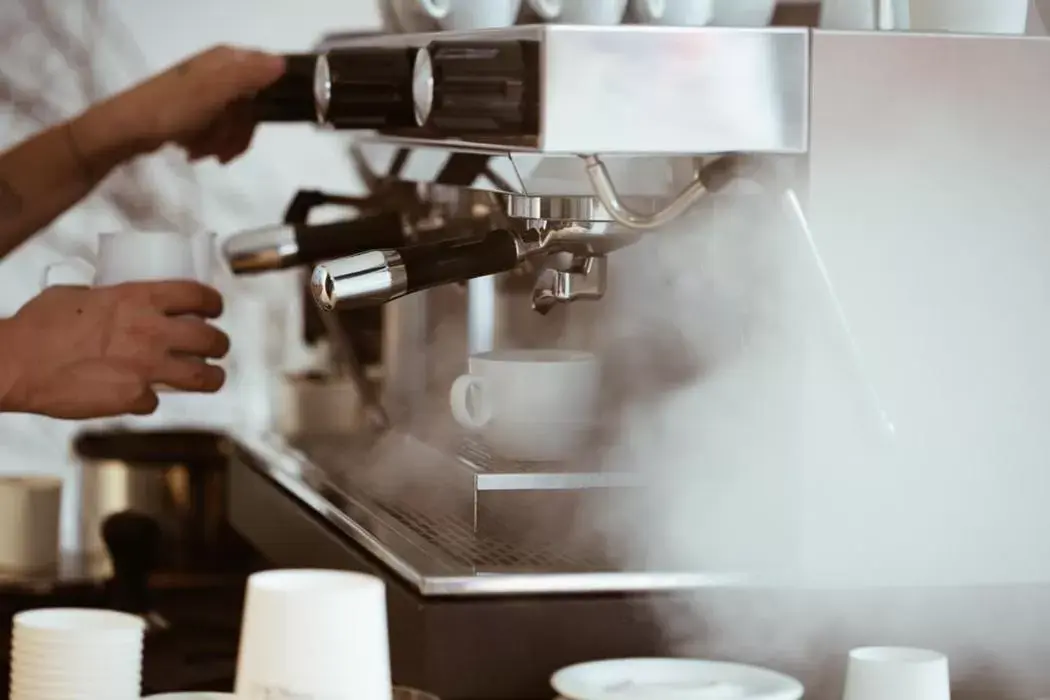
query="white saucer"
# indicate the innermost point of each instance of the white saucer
(672, 679)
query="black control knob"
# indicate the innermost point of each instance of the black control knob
(291, 98)
(365, 88)
(477, 88)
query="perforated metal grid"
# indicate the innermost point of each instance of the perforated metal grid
(452, 534)
(494, 549)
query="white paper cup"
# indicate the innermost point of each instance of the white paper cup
(73, 623)
(31, 508)
(314, 633)
(901, 673)
(61, 653)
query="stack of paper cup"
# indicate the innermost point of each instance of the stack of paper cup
(68, 654)
(314, 634)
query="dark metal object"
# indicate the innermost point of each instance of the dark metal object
(176, 479)
(365, 88)
(468, 88)
(291, 98)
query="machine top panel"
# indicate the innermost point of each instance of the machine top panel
(617, 90)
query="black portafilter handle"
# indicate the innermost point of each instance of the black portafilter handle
(379, 276)
(134, 542)
(292, 97)
(290, 245)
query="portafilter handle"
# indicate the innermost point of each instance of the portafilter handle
(288, 245)
(379, 276)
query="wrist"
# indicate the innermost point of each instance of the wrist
(101, 142)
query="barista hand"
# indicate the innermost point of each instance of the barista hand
(200, 104)
(77, 352)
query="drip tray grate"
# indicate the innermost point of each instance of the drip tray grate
(435, 500)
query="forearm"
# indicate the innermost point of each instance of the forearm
(45, 175)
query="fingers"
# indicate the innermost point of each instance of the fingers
(236, 142)
(192, 336)
(225, 139)
(189, 374)
(179, 297)
(145, 403)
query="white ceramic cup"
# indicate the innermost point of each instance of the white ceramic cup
(529, 405)
(901, 673)
(314, 634)
(595, 12)
(968, 16)
(138, 256)
(742, 13)
(471, 14)
(680, 13)
(413, 16)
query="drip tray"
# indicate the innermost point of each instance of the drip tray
(487, 514)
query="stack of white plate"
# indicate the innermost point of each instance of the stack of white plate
(75, 654)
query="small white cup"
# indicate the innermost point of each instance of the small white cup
(968, 16)
(413, 16)
(471, 14)
(315, 634)
(31, 507)
(529, 405)
(742, 13)
(679, 13)
(901, 673)
(139, 256)
(595, 12)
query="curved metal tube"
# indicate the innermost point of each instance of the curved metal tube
(606, 193)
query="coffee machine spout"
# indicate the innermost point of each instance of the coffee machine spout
(582, 278)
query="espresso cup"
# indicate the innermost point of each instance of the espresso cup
(529, 405)
(597, 12)
(740, 13)
(471, 14)
(413, 16)
(679, 13)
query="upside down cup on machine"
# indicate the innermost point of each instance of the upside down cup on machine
(379, 276)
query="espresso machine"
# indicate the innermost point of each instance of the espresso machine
(524, 186)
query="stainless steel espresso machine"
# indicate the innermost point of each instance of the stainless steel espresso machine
(519, 180)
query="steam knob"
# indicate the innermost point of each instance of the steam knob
(291, 97)
(468, 88)
(365, 88)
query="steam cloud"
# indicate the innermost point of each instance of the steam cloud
(771, 454)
